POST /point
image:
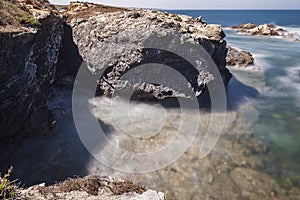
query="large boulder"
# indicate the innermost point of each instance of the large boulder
(239, 58)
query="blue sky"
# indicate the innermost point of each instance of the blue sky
(199, 4)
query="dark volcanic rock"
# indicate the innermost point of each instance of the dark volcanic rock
(239, 58)
(28, 64)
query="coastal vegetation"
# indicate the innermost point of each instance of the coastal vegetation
(12, 13)
(7, 187)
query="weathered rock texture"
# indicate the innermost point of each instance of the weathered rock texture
(92, 188)
(28, 64)
(238, 58)
(264, 30)
(114, 43)
(47, 48)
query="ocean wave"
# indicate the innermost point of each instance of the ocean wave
(293, 29)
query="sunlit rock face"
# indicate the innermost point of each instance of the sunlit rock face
(239, 58)
(112, 44)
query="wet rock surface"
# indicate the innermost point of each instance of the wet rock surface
(264, 30)
(238, 58)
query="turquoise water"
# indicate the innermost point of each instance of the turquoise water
(279, 101)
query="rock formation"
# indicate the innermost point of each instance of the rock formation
(46, 48)
(90, 187)
(40, 47)
(238, 58)
(264, 30)
(122, 35)
(29, 53)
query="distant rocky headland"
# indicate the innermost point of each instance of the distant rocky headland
(265, 30)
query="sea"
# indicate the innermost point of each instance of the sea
(236, 17)
(263, 103)
(278, 102)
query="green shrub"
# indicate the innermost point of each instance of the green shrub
(12, 13)
(177, 18)
(28, 19)
(7, 188)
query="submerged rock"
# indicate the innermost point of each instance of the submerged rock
(252, 185)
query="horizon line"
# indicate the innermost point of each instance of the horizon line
(213, 9)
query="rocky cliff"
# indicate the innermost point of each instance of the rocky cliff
(45, 45)
(39, 47)
(122, 36)
(29, 53)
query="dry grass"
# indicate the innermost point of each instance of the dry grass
(92, 185)
(12, 13)
(90, 9)
(7, 187)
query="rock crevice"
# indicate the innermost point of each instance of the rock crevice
(28, 64)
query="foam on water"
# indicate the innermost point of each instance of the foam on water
(291, 83)
(293, 29)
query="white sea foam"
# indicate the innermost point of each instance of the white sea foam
(291, 82)
(293, 29)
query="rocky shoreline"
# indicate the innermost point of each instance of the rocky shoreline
(46, 50)
(53, 50)
(117, 32)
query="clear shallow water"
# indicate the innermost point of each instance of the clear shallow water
(278, 104)
(278, 107)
